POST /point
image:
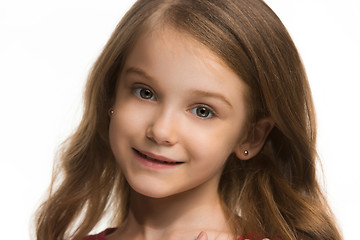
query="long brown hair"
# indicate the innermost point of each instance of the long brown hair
(275, 194)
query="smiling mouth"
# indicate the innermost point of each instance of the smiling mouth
(155, 160)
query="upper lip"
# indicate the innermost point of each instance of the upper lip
(157, 157)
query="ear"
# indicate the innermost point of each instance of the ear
(255, 140)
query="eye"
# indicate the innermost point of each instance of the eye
(144, 93)
(203, 111)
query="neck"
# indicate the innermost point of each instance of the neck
(184, 214)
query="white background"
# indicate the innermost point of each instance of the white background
(48, 47)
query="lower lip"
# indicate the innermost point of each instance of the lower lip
(154, 164)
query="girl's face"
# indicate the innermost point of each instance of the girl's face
(179, 113)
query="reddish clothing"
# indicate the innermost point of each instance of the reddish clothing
(102, 235)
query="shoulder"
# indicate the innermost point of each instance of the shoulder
(101, 235)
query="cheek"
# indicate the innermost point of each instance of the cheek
(214, 146)
(127, 117)
(123, 124)
(116, 135)
(218, 138)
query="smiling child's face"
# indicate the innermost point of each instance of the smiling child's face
(179, 113)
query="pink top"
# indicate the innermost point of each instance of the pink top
(102, 235)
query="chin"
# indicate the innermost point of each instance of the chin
(151, 192)
(154, 191)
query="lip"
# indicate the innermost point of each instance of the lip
(155, 161)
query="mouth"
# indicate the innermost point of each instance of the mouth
(154, 160)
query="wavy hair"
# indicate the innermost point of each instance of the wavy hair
(275, 194)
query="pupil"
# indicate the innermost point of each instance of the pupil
(146, 93)
(203, 112)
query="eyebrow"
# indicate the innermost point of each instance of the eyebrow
(139, 72)
(200, 93)
(213, 95)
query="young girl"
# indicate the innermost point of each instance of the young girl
(198, 118)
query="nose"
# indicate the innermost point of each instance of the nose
(162, 129)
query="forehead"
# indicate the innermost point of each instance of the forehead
(160, 44)
(176, 60)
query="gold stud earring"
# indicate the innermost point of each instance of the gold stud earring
(111, 112)
(246, 152)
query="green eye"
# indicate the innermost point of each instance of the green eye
(144, 93)
(203, 112)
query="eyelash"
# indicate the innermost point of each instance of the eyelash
(211, 111)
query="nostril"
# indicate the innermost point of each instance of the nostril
(162, 127)
(161, 135)
(150, 138)
(159, 140)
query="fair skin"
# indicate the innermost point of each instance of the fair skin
(179, 113)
